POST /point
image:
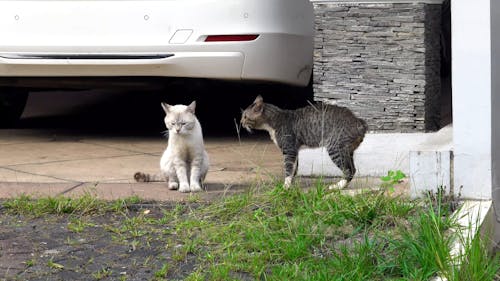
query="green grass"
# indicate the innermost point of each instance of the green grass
(289, 234)
(162, 272)
(294, 235)
(84, 205)
(102, 273)
(475, 263)
(54, 265)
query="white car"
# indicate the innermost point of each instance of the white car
(251, 40)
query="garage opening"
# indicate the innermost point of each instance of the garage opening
(136, 110)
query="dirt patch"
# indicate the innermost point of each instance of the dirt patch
(103, 247)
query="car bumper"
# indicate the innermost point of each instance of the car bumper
(134, 30)
(182, 64)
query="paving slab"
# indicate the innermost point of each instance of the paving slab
(55, 151)
(105, 169)
(156, 191)
(10, 175)
(131, 144)
(13, 189)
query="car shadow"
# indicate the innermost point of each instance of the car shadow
(136, 112)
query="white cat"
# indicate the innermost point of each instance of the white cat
(184, 164)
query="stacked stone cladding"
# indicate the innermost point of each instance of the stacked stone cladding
(381, 60)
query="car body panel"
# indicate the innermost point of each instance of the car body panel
(118, 37)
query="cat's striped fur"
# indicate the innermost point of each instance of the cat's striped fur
(319, 125)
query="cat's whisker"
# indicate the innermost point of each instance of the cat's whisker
(312, 104)
(238, 128)
(164, 133)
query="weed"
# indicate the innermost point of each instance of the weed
(162, 273)
(123, 204)
(475, 263)
(179, 254)
(392, 178)
(134, 244)
(196, 276)
(194, 198)
(102, 273)
(77, 225)
(54, 265)
(446, 202)
(30, 263)
(424, 248)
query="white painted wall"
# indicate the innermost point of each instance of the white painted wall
(471, 84)
(377, 154)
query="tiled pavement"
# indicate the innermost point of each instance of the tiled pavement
(45, 163)
(42, 163)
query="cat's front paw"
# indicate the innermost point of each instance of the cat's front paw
(195, 187)
(288, 182)
(184, 187)
(340, 185)
(173, 185)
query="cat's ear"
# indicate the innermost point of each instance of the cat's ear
(166, 107)
(258, 104)
(191, 108)
(258, 100)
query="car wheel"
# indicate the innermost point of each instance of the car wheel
(12, 102)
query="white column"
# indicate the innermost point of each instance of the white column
(495, 104)
(471, 84)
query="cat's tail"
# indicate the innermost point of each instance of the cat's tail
(144, 177)
(362, 127)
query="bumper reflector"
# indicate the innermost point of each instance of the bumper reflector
(230, 38)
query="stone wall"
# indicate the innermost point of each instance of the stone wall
(382, 60)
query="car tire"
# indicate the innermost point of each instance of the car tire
(12, 103)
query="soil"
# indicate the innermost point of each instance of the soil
(45, 248)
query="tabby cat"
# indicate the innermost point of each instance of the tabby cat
(184, 164)
(320, 125)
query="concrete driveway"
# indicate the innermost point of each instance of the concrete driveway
(70, 143)
(45, 162)
(95, 140)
